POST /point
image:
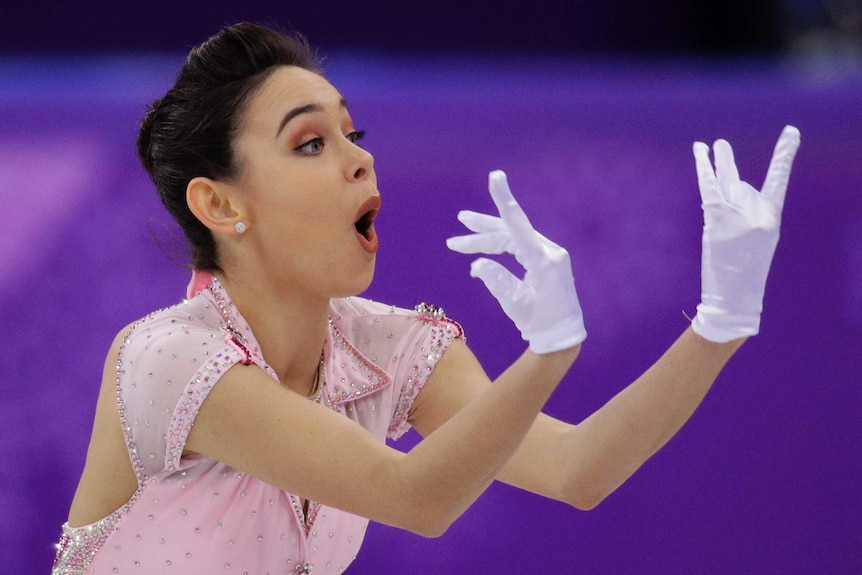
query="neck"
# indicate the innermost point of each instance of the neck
(290, 327)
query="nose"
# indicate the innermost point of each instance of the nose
(360, 165)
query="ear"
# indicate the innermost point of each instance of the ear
(214, 203)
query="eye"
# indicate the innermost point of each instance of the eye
(313, 146)
(355, 136)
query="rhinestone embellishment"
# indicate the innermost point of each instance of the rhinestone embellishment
(429, 311)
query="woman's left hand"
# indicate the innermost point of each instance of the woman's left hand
(740, 232)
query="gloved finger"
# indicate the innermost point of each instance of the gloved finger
(510, 211)
(732, 189)
(477, 222)
(484, 243)
(725, 166)
(707, 183)
(778, 174)
(502, 284)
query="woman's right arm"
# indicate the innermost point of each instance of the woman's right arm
(251, 422)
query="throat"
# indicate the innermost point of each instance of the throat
(309, 385)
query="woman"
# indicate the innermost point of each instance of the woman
(242, 430)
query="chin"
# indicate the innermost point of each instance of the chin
(360, 282)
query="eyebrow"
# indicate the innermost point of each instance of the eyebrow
(306, 109)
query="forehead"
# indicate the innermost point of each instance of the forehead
(288, 87)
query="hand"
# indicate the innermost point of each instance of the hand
(544, 305)
(740, 232)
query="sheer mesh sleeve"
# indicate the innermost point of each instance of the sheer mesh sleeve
(405, 344)
(424, 345)
(166, 369)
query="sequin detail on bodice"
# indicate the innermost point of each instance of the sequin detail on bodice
(193, 514)
(78, 545)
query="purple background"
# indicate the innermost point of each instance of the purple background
(764, 479)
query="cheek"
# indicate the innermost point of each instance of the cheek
(284, 205)
(297, 207)
(301, 230)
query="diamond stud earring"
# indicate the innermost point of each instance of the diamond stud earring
(240, 227)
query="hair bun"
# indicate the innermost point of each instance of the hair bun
(145, 134)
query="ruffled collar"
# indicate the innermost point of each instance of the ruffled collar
(347, 377)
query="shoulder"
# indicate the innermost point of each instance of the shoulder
(171, 346)
(354, 311)
(385, 333)
(405, 344)
(189, 323)
(166, 365)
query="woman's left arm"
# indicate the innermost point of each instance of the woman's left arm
(582, 464)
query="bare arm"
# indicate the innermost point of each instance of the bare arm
(251, 422)
(582, 464)
(618, 438)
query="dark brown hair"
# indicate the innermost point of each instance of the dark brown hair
(190, 131)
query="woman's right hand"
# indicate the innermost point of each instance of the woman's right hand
(544, 304)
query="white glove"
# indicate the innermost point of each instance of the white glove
(544, 305)
(740, 232)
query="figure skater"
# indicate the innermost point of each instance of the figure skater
(242, 430)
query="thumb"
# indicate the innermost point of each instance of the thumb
(502, 284)
(778, 174)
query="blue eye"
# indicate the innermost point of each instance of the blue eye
(355, 136)
(313, 146)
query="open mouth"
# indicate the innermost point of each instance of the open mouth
(364, 224)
